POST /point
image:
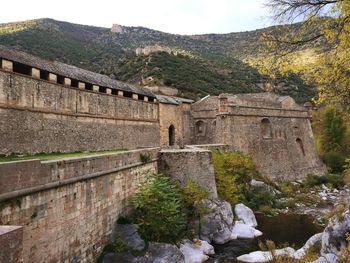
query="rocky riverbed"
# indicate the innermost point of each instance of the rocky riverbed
(228, 235)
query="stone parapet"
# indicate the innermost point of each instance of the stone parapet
(21, 177)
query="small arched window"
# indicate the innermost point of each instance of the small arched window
(171, 135)
(266, 129)
(200, 128)
(300, 145)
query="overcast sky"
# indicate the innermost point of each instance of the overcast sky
(173, 16)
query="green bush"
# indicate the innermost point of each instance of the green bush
(259, 197)
(233, 172)
(334, 161)
(333, 180)
(158, 210)
(193, 193)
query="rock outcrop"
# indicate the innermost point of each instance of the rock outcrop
(196, 252)
(130, 237)
(246, 215)
(216, 225)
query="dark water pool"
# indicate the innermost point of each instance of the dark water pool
(290, 229)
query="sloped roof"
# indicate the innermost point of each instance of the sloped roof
(70, 71)
(167, 100)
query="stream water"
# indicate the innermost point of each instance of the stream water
(290, 229)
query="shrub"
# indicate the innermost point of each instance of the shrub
(333, 180)
(158, 212)
(334, 161)
(145, 157)
(193, 193)
(233, 171)
(261, 196)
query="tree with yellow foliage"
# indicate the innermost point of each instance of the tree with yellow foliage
(324, 24)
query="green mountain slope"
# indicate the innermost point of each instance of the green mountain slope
(198, 65)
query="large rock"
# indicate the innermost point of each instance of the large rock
(309, 243)
(196, 252)
(327, 258)
(130, 237)
(265, 256)
(334, 235)
(161, 253)
(157, 253)
(241, 230)
(246, 215)
(216, 223)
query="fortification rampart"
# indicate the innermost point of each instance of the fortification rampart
(68, 208)
(40, 116)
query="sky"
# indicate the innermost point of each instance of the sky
(172, 16)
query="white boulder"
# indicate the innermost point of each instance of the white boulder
(327, 258)
(241, 230)
(246, 215)
(300, 253)
(265, 256)
(216, 225)
(334, 235)
(196, 252)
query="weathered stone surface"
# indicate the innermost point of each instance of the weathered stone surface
(246, 215)
(130, 237)
(161, 253)
(62, 119)
(264, 256)
(241, 230)
(216, 225)
(194, 164)
(274, 130)
(11, 244)
(334, 235)
(196, 252)
(257, 184)
(72, 220)
(328, 258)
(118, 257)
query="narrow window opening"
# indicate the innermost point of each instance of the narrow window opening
(140, 97)
(22, 69)
(60, 79)
(74, 83)
(171, 135)
(266, 130)
(88, 86)
(44, 74)
(300, 145)
(127, 94)
(114, 92)
(200, 128)
(103, 89)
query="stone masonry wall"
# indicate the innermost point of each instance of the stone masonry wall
(192, 163)
(39, 116)
(11, 241)
(68, 208)
(287, 153)
(170, 115)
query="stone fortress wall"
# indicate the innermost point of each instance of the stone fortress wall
(67, 209)
(274, 130)
(41, 116)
